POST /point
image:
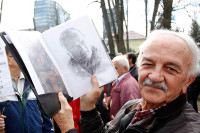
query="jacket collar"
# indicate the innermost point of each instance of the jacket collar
(162, 115)
(172, 108)
(125, 77)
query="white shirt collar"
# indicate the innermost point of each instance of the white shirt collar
(20, 84)
(121, 77)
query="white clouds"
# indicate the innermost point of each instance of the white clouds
(17, 14)
(77, 8)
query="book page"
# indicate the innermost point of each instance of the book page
(6, 87)
(79, 53)
(42, 70)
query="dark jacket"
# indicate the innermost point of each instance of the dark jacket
(105, 114)
(193, 91)
(177, 117)
(134, 71)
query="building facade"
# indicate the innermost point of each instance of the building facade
(135, 40)
(47, 14)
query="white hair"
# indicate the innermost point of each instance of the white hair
(122, 60)
(194, 68)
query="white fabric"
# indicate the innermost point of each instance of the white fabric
(19, 86)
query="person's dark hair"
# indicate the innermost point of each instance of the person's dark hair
(132, 55)
(7, 51)
(111, 55)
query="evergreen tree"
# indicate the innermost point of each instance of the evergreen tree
(195, 31)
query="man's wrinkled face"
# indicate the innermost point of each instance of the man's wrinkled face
(164, 68)
(120, 70)
(77, 46)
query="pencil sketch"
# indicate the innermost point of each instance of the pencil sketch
(84, 60)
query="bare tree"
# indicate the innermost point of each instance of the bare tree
(1, 10)
(146, 8)
(116, 20)
(155, 10)
(167, 14)
(119, 10)
(113, 23)
(108, 27)
(126, 25)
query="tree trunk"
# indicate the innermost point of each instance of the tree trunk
(126, 25)
(120, 16)
(155, 10)
(113, 24)
(146, 20)
(107, 27)
(1, 10)
(166, 23)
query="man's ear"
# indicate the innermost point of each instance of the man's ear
(126, 68)
(190, 80)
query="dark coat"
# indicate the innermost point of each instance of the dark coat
(177, 117)
(134, 71)
(193, 91)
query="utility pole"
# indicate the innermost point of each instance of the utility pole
(1, 10)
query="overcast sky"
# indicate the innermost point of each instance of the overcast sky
(18, 14)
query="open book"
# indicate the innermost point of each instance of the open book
(62, 58)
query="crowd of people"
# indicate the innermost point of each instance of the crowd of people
(156, 91)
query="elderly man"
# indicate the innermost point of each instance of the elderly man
(168, 64)
(125, 88)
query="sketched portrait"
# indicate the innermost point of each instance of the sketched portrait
(45, 69)
(83, 56)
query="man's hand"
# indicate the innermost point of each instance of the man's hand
(64, 118)
(2, 122)
(88, 100)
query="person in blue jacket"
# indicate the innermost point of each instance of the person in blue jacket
(21, 111)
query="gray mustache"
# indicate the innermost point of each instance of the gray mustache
(160, 84)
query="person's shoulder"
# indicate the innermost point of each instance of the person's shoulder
(130, 78)
(134, 101)
(127, 76)
(131, 103)
(191, 119)
(190, 114)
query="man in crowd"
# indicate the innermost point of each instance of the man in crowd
(125, 88)
(22, 110)
(132, 62)
(168, 64)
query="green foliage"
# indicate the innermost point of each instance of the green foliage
(195, 31)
